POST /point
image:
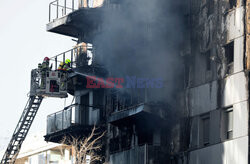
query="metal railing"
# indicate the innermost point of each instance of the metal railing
(72, 115)
(60, 8)
(75, 55)
(138, 154)
(119, 101)
(63, 119)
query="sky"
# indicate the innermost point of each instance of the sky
(24, 42)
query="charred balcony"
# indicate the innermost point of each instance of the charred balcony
(135, 108)
(81, 66)
(139, 114)
(76, 18)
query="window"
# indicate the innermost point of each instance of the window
(232, 3)
(229, 54)
(229, 51)
(229, 123)
(205, 129)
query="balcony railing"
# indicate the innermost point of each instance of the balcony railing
(60, 8)
(73, 115)
(75, 54)
(63, 119)
(139, 154)
(119, 101)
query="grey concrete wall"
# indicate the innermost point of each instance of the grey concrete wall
(230, 152)
(211, 96)
(240, 125)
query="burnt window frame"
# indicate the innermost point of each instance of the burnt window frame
(229, 54)
(205, 130)
(232, 4)
(208, 60)
(228, 130)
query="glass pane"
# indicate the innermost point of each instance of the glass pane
(59, 117)
(206, 130)
(230, 120)
(76, 115)
(229, 124)
(66, 118)
(229, 134)
(50, 124)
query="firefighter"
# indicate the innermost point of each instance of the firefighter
(61, 66)
(63, 80)
(67, 65)
(63, 76)
(45, 64)
(44, 69)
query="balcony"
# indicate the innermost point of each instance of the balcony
(139, 114)
(75, 17)
(145, 154)
(62, 120)
(82, 65)
(73, 120)
(80, 55)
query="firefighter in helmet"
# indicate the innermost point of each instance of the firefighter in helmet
(44, 69)
(65, 68)
(62, 76)
(45, 64)
(61, 65)
(67, 65)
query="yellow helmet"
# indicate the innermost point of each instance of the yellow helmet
(67, 61)
(61, 64)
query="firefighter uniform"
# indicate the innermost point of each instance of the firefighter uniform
(44, 69)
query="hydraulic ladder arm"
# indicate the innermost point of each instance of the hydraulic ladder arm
(52, 81)
(22, 129)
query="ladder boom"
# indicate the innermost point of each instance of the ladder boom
(22, 129)
(43, 83)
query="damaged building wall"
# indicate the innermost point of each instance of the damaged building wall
(217, 89)
(234, 151)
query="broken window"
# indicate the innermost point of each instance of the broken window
(229, 123)
(205, 121)
(232, 3)
(229, 54)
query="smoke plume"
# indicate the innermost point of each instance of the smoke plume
(143, 38)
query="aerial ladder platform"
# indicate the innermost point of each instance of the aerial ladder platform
(43, 84)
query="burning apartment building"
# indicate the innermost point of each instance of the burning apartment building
(137, 49)
(166, 80)
(197, 54)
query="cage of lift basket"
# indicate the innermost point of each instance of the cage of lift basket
(56, 84)
(48, 83)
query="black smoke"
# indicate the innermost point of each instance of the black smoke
(143, 38)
